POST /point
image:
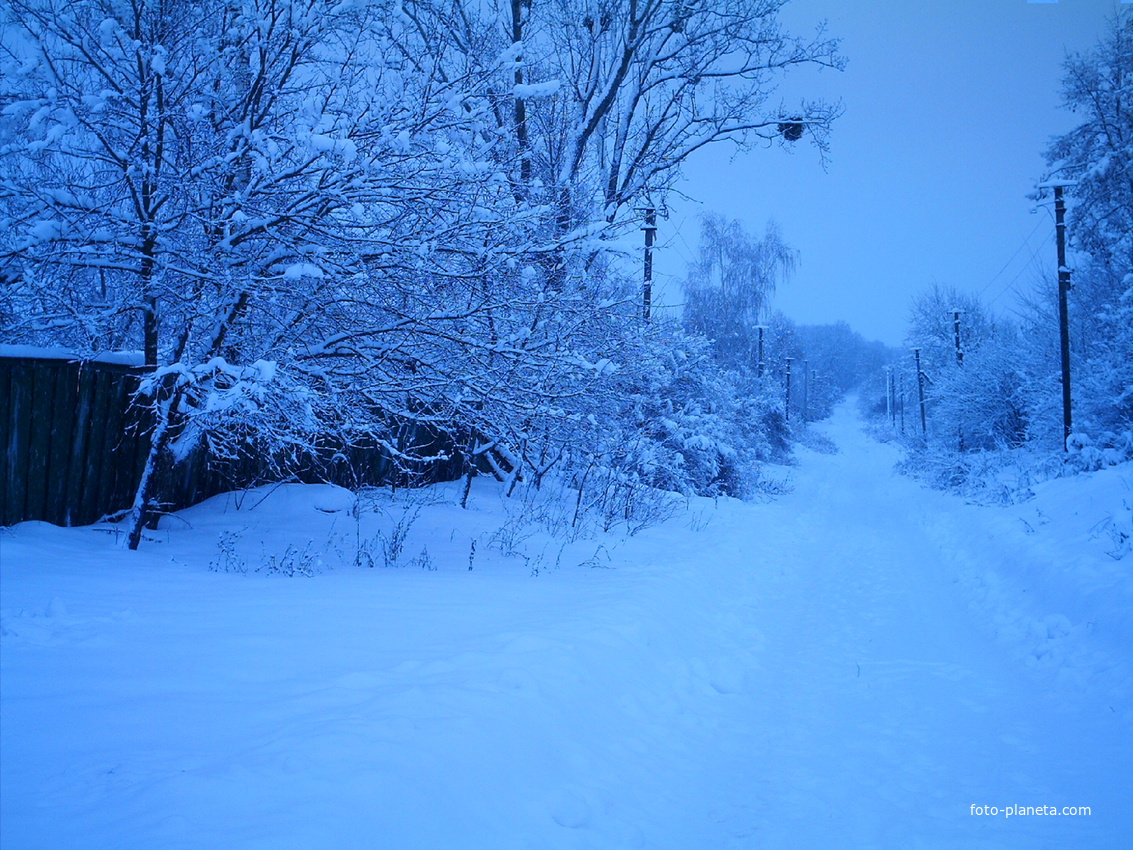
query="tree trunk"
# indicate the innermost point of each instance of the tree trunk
(142, 509)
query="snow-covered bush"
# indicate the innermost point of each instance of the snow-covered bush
(327, 220)
(1097, 157)
(977, 398)
(981, 404)
(1007, 393)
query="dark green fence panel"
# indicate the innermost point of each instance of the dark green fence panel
(77, 470)
(64, 405)
(39, 437)
(5, 415)
(16, 442)
(73, 447)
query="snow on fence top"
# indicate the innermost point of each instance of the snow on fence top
(55, 352)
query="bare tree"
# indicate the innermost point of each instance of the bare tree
(255, 197)
(729, 286)
(322, 218)
(1097, 156)
(604, 101)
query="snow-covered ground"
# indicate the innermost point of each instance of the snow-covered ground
(855, 664)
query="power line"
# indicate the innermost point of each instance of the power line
(1012, 258)
(677, 232)
(1035, 261)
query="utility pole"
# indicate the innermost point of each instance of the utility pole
(889, 394)
(806, 389)
(787, 408)
(956, 331)
(760, 366)
(920, 392)
(901, 403)
(959, 364)
(650, 229)
(1063, 311)
(892, 397)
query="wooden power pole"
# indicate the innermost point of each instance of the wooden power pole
(650, 229)
(901, 402)
(787, 408)
(956, 332)
(813, 378)
(920, 392)
(806, 389)
(889, 394)
(1063, 311)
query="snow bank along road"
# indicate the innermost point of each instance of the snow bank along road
(853, 665)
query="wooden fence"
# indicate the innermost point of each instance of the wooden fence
(73, 446)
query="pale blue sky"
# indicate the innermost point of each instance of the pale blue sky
(949, 106)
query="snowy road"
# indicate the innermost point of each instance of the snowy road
(806, 673)
(886, 710)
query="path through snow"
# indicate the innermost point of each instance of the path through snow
(889, 711)
(805, 673)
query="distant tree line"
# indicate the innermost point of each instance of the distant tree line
(774, 376)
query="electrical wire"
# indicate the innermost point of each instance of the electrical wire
(1012, 258)
(1035, 262)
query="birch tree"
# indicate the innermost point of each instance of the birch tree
(729, 287)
